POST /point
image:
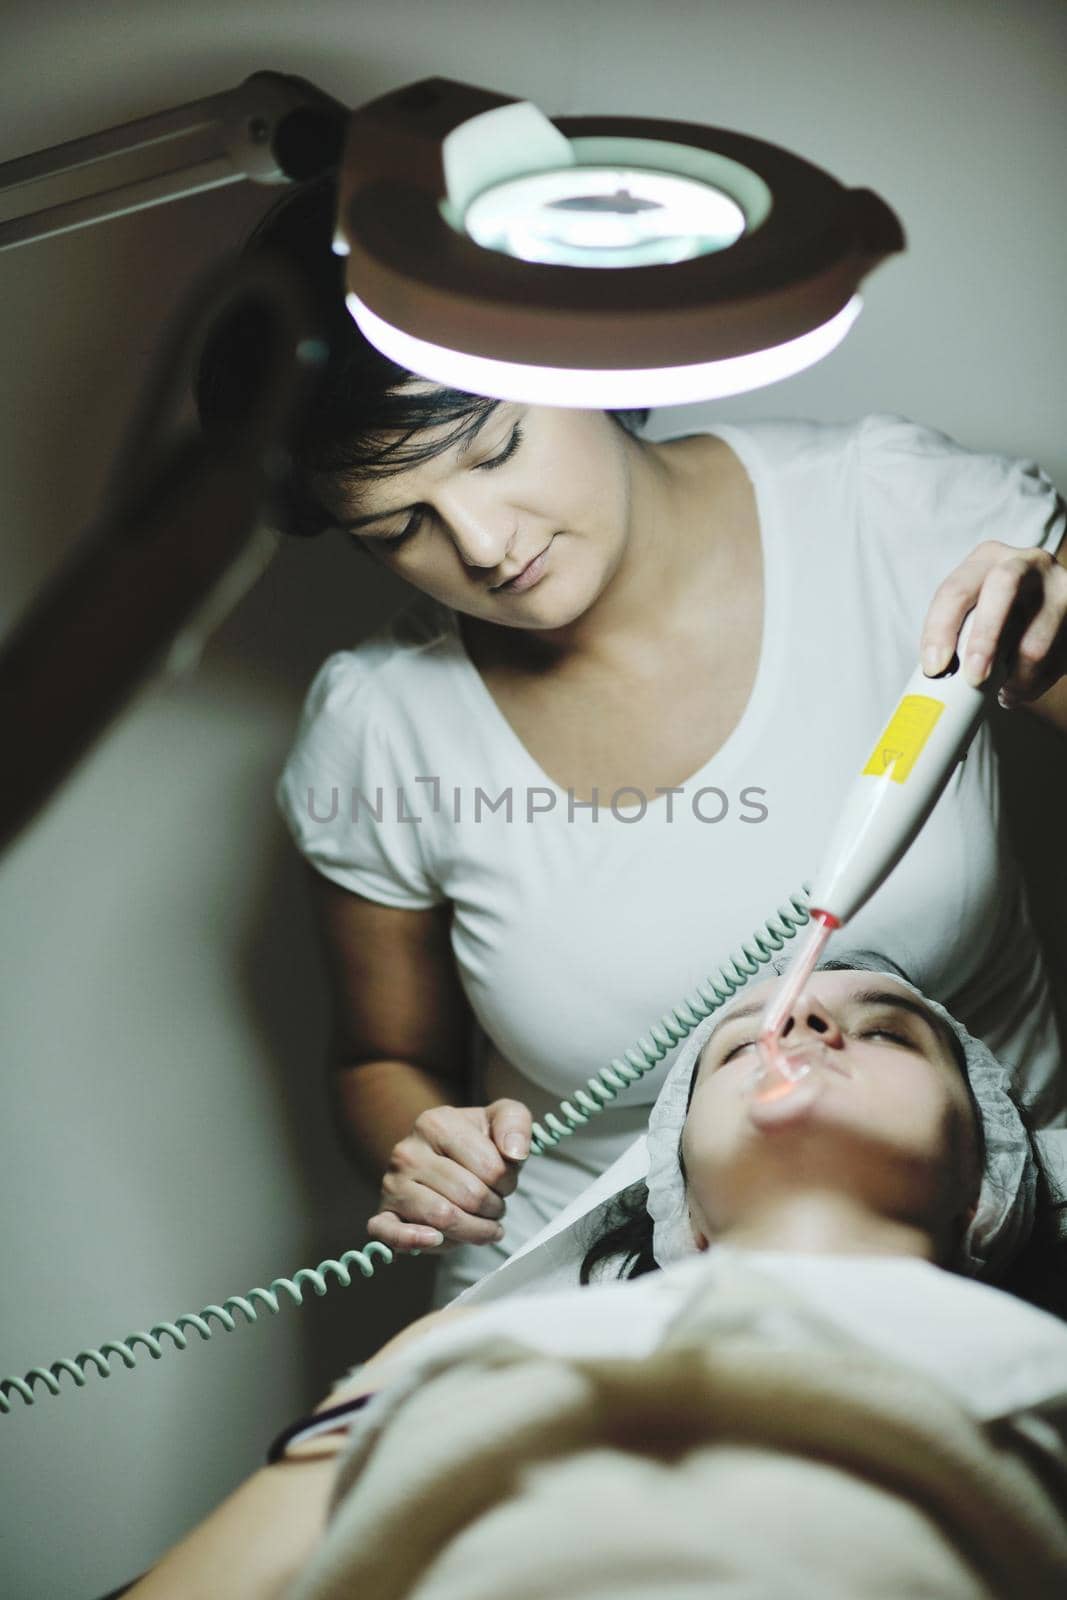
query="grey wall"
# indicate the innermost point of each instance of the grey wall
(164, 1139)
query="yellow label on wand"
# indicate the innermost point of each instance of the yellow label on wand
(905, 734)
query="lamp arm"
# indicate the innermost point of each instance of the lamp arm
(272, 128)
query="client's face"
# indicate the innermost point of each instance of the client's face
(891, 1123)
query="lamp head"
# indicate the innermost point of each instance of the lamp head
(593, 261)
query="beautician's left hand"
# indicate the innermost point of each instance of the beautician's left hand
(1019, 599)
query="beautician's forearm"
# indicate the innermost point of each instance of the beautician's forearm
(253, 1546)
(256, 1542)
(377, 1103)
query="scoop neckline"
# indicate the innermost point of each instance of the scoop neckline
(753, 718)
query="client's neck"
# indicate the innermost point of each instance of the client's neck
(823, 1221)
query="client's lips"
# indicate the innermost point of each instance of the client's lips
(528, 575)
(784, 1074)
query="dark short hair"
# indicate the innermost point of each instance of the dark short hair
(357, 406)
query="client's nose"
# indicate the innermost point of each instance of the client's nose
(809, 1019)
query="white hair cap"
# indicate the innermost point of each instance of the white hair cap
(1006, 1201)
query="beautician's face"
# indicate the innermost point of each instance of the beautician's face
(892, 1123)
(532, 479)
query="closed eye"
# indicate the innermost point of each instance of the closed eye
(505, 454)
(869, 1033)
(414, 522)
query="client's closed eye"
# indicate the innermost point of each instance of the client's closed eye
(869, 1033)
(747, 1045)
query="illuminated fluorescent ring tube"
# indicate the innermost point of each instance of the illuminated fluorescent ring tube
(613, 389)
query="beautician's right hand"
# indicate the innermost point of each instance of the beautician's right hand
(446, 1181)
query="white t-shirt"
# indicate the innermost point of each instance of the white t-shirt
(573, 932)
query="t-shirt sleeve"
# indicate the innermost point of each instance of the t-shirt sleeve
(940, 499)
(342, 794)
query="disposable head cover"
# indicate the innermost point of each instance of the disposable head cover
(1000, 1227)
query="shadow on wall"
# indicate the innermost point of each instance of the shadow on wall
(316, 596)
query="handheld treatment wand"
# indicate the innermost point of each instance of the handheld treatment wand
(916, 754)
(929, 732)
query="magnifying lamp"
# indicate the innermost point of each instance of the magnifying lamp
(607, 262)
(601, 262)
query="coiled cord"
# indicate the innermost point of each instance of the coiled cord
(585, 1102)
(674, 1025)
(123, 1349)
